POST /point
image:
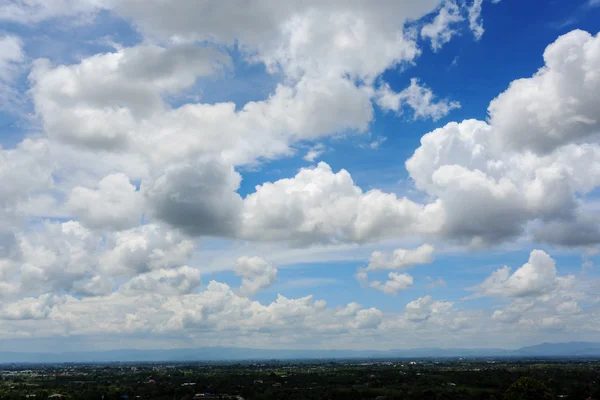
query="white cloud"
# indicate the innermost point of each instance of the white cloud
(95, 286)
(55, 257)
(536, 277)
(488, 195)
(401, 258)
(377, 143)
(31, 11)
(556, 106)
(115, 204)
(314, 153)
(440, 30)
(182, 280)
(24, 170)
(145, 248)
(12, 58)
(257, 274)
(99, 102)
(115, 119)
(395, 283)
(419, 98)
(475, 22)
(491, 187)
(424, 308)
(319, 206)
(30, 308)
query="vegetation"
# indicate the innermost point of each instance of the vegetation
(348, 380)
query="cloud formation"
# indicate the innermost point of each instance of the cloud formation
(128, 182)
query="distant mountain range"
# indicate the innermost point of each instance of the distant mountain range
(571, 349)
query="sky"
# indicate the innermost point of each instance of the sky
(333, 174)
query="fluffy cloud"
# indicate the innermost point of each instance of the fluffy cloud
(95, 286)
(111, 120)
(197, 197)
(161, 307)
(30, 308)
(115, 101)
(335, 37)
(395, 283)
(256, 273)
(98, 103)
(115, 204)
(401, 258)
(24, 170)
(539, 297)
(145, 248)
(55, 257)
(319, 206)
(558, 105)
(440, 30)
(490, 188)
(315, 152)
(419, 98)
(490, 196)
(424, 308)
(177, 281)
(536, 277)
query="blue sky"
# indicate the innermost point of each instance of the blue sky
(192, 179)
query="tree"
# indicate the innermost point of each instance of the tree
(527, 388)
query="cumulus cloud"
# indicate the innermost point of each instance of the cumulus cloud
(56, 256)
(111, 121)
(314, 152)
(424, 308)
(257, 274)
(417, 97)
(401, 258)
(108, 94)
(320, 206)
(24, 170)
(398, 260)
(95, 286)
(489, 196)
(536, 277)
(198, 197)
(556, 106)
(176, 281)
(490, 183)
(145, 248)
(30, 308)
(539, 297)
(441, 29)
(394, 284)
(114, 204)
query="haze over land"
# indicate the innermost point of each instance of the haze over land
(326, 175)
(563, 350)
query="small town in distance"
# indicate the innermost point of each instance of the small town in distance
(420, 379)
